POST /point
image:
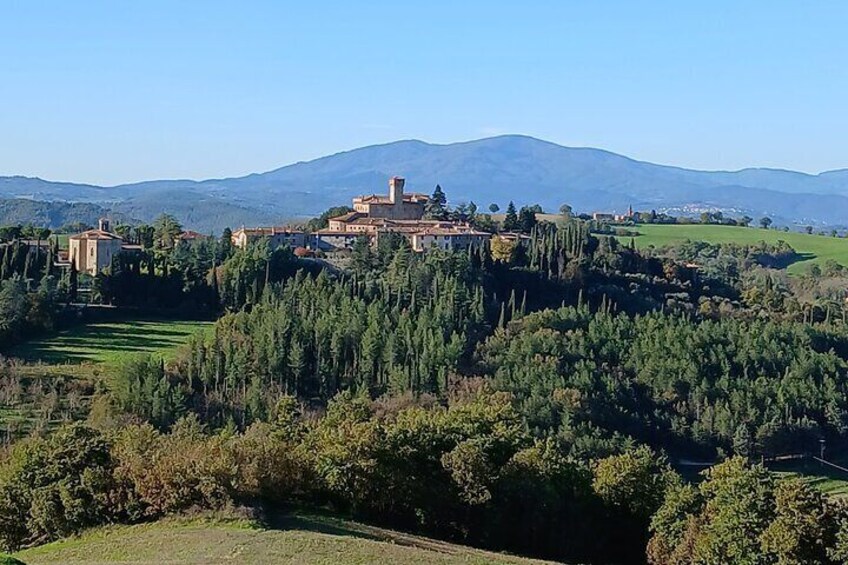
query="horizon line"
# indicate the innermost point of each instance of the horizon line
(432, 144)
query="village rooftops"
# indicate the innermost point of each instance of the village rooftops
(270, 231)
(359, 219)
(332, 231)
(349, 217)
(453, 230)
(414, 197)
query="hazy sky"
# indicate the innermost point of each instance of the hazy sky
(118, 91)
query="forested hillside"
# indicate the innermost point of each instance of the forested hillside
(53, 214)
(534, 395)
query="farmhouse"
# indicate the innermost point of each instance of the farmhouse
(92, 251)
(608, 217)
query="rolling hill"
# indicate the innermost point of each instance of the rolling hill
(496, 169)
(812, 249)
(301, 540)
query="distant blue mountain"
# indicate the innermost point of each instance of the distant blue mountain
(497, 169)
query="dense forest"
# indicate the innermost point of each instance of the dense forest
(531, 395)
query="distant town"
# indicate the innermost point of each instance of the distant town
(371, 217)
(424, 221)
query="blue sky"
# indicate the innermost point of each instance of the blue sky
(114, 91)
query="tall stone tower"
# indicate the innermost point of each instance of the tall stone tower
(396, 190)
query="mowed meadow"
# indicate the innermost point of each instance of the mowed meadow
(813, 249)
(109, 342)
(301, 539)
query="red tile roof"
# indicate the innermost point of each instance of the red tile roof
(95, 234)
(346, 217)
(382, 199)
(189, 235)
(267, 231)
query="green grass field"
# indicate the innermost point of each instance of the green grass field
(298, 539)
(813, 248)
(831, 481)
(108, 343)
(57, 380)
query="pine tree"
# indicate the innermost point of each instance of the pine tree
(436, 207)
(510, 222)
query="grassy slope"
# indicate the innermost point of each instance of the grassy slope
(831, 481)
(74, 360)
(814, 248)
(108, 342)
(302, 540)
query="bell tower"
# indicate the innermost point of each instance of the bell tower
(396, 190)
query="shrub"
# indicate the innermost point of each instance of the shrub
(57, 486)
(176, 471)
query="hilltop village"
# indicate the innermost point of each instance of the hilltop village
(374, 216)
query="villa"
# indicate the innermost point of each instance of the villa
(399, 213)
(92, 251)
(374, 216)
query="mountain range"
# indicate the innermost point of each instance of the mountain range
(492, 170)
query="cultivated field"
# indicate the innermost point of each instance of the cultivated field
(108, 342)
(300, 539)
(813, 248)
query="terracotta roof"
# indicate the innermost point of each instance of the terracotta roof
(402, 229)
(388, 222)
(328, 231)
(372, 222)
(381, 199)
(452, 231)
(267, 231)
(95, 234)
(346, 217)
(188, 234)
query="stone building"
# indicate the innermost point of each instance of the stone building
(92, 251)
(327, 240)
(397, 206)
(454, 238)
(375, 216)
